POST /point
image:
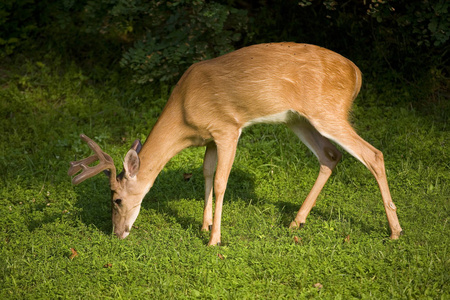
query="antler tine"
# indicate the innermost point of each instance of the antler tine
(76, 166)
(106, 162)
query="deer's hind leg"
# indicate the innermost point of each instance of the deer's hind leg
(343, 133)
(328, 156)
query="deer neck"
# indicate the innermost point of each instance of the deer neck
(168, 137)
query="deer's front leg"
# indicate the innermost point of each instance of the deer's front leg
(209, 166)
(226, 150)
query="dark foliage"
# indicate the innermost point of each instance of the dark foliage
(158, 40)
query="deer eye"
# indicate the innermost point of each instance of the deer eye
(118, 201)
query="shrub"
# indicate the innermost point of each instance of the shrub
(167, 37)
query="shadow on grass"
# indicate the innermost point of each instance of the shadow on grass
(41, 217)
(94, 204)
(289, 210)
(171, 186)
(94, 201)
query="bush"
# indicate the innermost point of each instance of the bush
(167, 37)
(28, 24)
(401, 42)
(18, 22)
(158, 40)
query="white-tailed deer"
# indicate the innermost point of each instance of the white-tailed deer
(309, 88)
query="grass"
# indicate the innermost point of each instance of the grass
(343, 252)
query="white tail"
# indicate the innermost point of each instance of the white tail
(309, 88)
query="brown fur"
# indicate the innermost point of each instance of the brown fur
(309, 88)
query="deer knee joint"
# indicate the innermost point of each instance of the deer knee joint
(220, 186)
(376, 163)
(333, 155)
(379, 156)
(392, 206)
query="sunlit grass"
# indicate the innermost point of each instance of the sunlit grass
(343, 251)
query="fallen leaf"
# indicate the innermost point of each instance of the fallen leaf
(108, 265)
(187, 176)
(297, 240)
(318, 285)
(347, 239)
(220, 256)
(74, 253)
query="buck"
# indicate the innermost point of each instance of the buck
(306, 87)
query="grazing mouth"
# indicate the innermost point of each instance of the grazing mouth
(123, 234)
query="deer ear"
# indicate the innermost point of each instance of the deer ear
(136, 146)
(131, 163)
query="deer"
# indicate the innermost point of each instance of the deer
(309, 88)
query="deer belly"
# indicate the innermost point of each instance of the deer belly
(282, 117)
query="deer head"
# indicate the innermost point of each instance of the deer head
(126, 194)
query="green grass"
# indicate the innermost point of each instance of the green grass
(45, 106)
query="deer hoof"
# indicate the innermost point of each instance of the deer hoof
(395, 236)
(212, 244)
(205, 228)
(295, 225)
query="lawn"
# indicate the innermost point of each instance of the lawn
(56, 241)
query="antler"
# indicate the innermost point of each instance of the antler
(106, 163)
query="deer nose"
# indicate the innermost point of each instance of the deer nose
(122, 235)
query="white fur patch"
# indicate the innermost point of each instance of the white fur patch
(283, 117)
